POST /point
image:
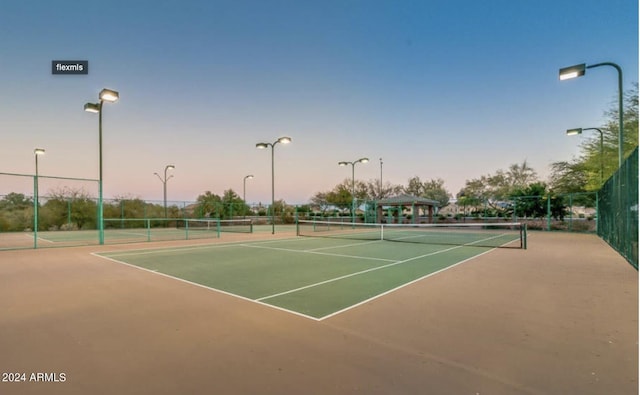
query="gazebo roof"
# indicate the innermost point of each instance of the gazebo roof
(407, 200)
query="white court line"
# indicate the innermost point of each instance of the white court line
(358, 273)
(401, 286)
(319, 253)
(30, 236)
(205, 287)
(159, 250)
(260, 300)
(345, 245)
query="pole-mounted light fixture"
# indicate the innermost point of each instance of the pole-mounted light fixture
(244, 190)
(576, 131)
(109, 96)
(353, 183)
(164, 184)
(579, 70)
(567, 73)
(281, 140)
(37, 152)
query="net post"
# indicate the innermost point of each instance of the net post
(186, 229)
(148, 224)
(524, 236)
(218, 225)
(381, 231)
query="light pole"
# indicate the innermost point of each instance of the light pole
(353, 183)
(37, 152)
(578, 71)
(282, 140)
(109, 96)
(380, 178)
(164, 184)
(573, 132)
(244, 191)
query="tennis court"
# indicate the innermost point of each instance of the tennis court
(559, 317)
(119, 231)
(317, 277)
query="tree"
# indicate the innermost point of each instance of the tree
(611, 129)
(69, 208)
(465, 201)
(15, 201)
(435, 190)
(432, 189)
(375, 192)
(340, 197)
(568, 177)
(209, 205)
(414, 186)
(475, 194)
(587, 165)
(233, 204)
(283, 211)
(491, 190)
(320, 202)
(16, 212)
(520, 175)
(531, 202)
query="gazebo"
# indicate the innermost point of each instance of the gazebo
(397, 204)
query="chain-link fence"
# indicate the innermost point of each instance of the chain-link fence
(70, 210)
(618, 210)
(574, 212)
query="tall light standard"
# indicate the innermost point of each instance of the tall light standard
(244, 190)
(578, 71)
(380, 178)
(164, 184)
(112, 96)
(353, 184)
(573, 132)
(281, 140)
(37, 152)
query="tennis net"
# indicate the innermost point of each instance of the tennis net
(216, 225)
(507, 235)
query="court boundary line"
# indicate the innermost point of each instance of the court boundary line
(321, 253)
(408, 284)
(346, 245)
(259, 300)
(403, 285)
(32, 235)
(360, 272)
(207, 287)
(189, 247)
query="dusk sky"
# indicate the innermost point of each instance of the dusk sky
(437, 89)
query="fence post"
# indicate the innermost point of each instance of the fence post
(548, 212)
(570, 212)
(597, 214)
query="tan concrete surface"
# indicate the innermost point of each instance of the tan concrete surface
(558, 318)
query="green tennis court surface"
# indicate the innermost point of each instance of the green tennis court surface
(313, 277)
